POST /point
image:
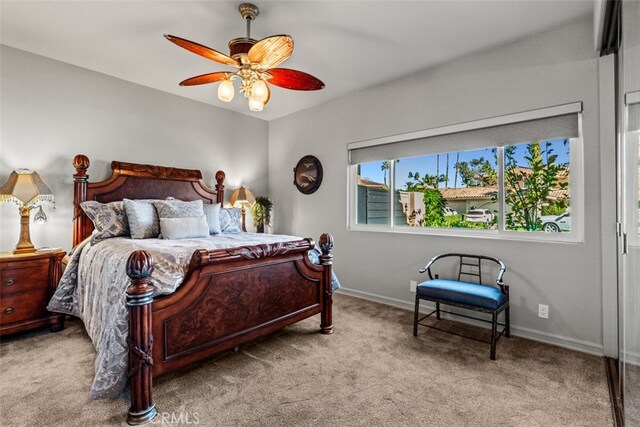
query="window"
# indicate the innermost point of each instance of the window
(632, 168)
(448, 190)
(373, 193)
(494, 183)
(536, 186)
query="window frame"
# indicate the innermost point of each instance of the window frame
(576, 189)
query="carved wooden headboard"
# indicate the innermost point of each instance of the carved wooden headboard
(136, 181)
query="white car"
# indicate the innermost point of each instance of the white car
(556, 223)
(480, 215)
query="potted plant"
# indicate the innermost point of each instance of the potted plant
(261, 212)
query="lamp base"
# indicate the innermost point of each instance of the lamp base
(24, 245)
(243, 212)
(24, 250)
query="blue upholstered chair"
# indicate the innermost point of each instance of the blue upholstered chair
(473, 296)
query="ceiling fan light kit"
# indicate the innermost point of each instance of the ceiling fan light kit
(255, 63)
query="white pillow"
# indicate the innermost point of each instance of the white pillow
(184, 228)
(212, 213)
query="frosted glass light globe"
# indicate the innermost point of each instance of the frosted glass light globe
(260, 91)
(255, 104)
(226, 91)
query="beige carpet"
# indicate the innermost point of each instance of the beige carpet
(371, 372)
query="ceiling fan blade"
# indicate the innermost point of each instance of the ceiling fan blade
(271, 51)
(294, 79)
(202, 50)
(205, 78)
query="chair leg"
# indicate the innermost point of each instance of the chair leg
(507, 324)
(438, 310)
(494, 333)
(415, 317)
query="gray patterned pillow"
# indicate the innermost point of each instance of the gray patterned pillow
(178, 209)
(143, 219)
(212, 213)
(230, 220)
(109, 219)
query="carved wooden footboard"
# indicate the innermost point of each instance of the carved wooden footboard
(229, 296)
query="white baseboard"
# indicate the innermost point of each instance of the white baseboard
(545, 337)
(631, 358)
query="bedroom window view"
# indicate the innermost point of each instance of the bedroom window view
(450, 190)
(372, 191)
(536, 186)
(460, 189)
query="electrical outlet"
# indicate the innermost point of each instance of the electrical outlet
(543, 311)
(412, 285)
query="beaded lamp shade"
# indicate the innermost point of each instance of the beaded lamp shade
(26, 189)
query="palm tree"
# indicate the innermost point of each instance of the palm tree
(437, 167)
(384, 167)
(455, 181)
(447, 173)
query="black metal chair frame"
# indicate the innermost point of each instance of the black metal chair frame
(461, 272)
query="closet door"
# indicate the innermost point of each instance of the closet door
(629, 212)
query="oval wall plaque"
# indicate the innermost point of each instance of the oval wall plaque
(307, 175)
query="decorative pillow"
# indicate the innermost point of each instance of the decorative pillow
(109, 219)
(230, 220)
(212, 214)
(178, 209)
(184, 228)
(143, 219)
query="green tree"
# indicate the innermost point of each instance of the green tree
(477, 173)
(527, 189)
(419, 183)
(434, 205)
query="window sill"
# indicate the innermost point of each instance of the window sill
(563, 238)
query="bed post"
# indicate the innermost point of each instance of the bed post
(220, 187)
(326, 260)
(139, 299)
(80, 178)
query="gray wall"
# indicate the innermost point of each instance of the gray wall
(52, 111)
(549, 69)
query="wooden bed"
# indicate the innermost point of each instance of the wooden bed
(229, 296)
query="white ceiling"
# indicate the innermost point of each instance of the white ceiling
(350, 45)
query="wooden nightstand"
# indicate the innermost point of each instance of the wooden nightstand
(27, 283)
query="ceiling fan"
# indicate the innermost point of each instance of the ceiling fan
(255, 63)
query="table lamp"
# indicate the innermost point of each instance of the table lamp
(26, 189)
(242, 197)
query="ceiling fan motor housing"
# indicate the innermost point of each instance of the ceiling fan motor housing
(239, 46)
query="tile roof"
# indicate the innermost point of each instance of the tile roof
(468, 193)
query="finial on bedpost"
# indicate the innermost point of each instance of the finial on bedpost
(81, 164)
(220, 186)
(326, 260)
(139, 299)
(326, 245)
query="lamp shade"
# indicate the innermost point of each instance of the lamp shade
(242, 195)
(25, 188)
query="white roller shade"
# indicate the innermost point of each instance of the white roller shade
(632, 100)
(559, 122)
